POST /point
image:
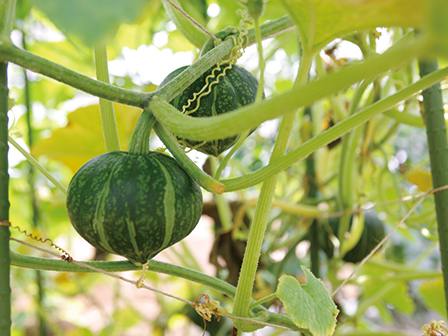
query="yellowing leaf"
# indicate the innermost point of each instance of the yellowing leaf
(433, 295)
(421, 178)
(310, 306)
(82, 138)
(320, 21)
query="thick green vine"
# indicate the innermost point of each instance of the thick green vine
(7, 9)
(5, 290)
(434, 113)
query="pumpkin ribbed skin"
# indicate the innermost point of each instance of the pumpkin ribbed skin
(237, 88)
(133, 205)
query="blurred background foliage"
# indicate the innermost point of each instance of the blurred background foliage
(61, 127)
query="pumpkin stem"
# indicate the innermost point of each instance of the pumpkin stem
(139, 143)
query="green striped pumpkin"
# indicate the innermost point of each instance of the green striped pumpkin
(133, 205)
(237, 88)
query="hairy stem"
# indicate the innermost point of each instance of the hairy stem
(259, 224)
(5, 290)
(438, 154)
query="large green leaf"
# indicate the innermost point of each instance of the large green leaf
(320, 21)
(91, 21)
(310, 306)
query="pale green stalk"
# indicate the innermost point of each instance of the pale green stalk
(35, 211)
(261, 62)
(258, 227)
(348, 173)
(108, 122)
(405, 118)
(7, 12)
(263, 300)
(224, 210)
(38, 166)
(259, 223)
(226, 158)
(139, 143)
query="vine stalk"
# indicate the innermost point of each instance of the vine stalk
(5, 290)
(35, 212)
(108, 122)
(434, 114)
(7, 10)
(259, 223)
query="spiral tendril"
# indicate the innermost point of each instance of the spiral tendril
(65, 255)
(236, 52)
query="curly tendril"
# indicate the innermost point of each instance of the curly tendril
(65, 255)
(240, 44)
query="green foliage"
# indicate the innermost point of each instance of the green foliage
(309, 305)
(91, 21)
(374, 95)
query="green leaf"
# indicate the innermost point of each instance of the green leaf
(91, 21)
(433, 295)
(310, 306)
(321, 21)
(191, 32)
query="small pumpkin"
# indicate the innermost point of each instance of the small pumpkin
(133, 205)
(237, 88)
(372, 234)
